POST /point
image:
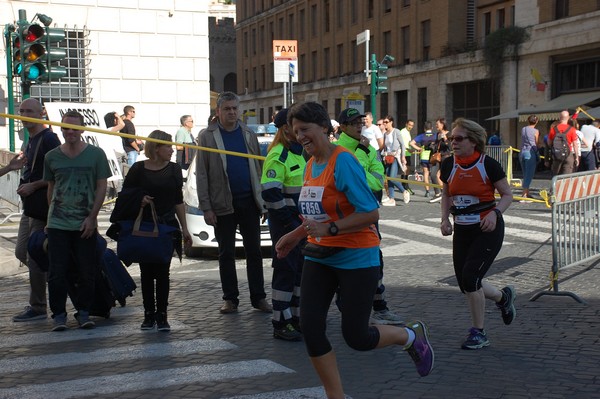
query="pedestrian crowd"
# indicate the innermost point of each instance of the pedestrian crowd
(320, 187)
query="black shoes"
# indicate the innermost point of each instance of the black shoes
(287, 333)
(161, 322)
(149, 321)
(507, 304)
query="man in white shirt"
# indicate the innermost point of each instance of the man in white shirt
(591, 134)
(373, 133)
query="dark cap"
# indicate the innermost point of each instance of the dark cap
(281, 118)
(348, 115)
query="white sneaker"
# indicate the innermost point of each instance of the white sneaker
(437, 198)
(406, 196)
(389, 202)
(385, 317)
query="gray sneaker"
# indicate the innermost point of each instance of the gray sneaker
(28, 314)
(60, 322)
(83, 318)
(385, 317)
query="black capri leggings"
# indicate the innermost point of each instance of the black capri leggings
(357, 288)
(473, 252)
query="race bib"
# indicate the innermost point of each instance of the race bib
(310, 203)
(462, 201)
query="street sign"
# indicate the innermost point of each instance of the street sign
(292, 70)
(285, 53)
(362, 37)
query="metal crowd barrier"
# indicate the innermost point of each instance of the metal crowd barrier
(575, 225)
(8, 190)
(504, 155)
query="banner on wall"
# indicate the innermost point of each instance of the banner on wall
(93, 115)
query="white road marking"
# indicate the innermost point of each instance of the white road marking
(302, 393)
(105, 355)
(145, 380)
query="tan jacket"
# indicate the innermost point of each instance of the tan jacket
(211, 172)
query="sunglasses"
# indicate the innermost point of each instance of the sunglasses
(458, 139)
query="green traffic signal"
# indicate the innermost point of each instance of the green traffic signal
(34, 55)
(381, 77)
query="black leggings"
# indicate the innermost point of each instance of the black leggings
(473, 252)
(356, 286)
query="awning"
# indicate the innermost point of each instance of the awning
(593, 112)
(550, 110)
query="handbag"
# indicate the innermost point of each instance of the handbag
(319, 251)
(389, 159)
(36, 205)
(435, 158)
(145, 242)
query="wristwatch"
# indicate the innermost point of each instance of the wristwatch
(333, 229)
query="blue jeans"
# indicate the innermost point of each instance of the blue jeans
(247, 217)
(75, 258)
(131, 157)
(528, 160)
(392, 171)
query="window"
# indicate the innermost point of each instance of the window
(387, 42)
(291, 26)
(353, 11)
(75, 85)
(314, 64)
(387, 6)
(500, 18)
(401, 108)
(405, 3)
(340, 59)
(246, 44)
(301, 24)
(327, 15)
(302, 67)
(561, 9)
(261, 39)
(281, 30)
(313, 20)
(577, 76)
(426, 38)
(421, 107)
(326, 62)
(405, 37)
(370, 9)
(487, 23)
(355, 63)
(253, 43)
(477, 101)
(340, 14)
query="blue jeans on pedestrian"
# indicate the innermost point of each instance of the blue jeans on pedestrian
(247, 216)
(76, 257)
(392, 171)
(131, 157)
(528, 160)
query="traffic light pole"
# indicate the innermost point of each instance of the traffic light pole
(8, 29)
(373, 73)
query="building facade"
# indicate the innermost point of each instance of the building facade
(151, 54)
(442, 67)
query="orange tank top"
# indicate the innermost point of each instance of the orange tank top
(321, 201)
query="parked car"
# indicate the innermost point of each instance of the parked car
(203, 235)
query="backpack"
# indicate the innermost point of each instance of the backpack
(561, 150)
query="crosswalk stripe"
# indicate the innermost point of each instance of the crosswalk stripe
(304, 393)
(145, 380)
(521, 234)
(77, 334)
(106, 355)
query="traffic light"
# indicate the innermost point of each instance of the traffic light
(35, 55)
(55, 54)
(28, 52)
(381, 77)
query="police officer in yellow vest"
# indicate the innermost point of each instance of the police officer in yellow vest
(282, 179)
(351, 122)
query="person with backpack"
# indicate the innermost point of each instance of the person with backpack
(564, 144)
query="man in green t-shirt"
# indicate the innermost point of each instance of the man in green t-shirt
(77, 175)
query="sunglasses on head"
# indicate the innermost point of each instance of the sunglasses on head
(458, 139)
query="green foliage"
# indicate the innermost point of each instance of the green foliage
(501, 43)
